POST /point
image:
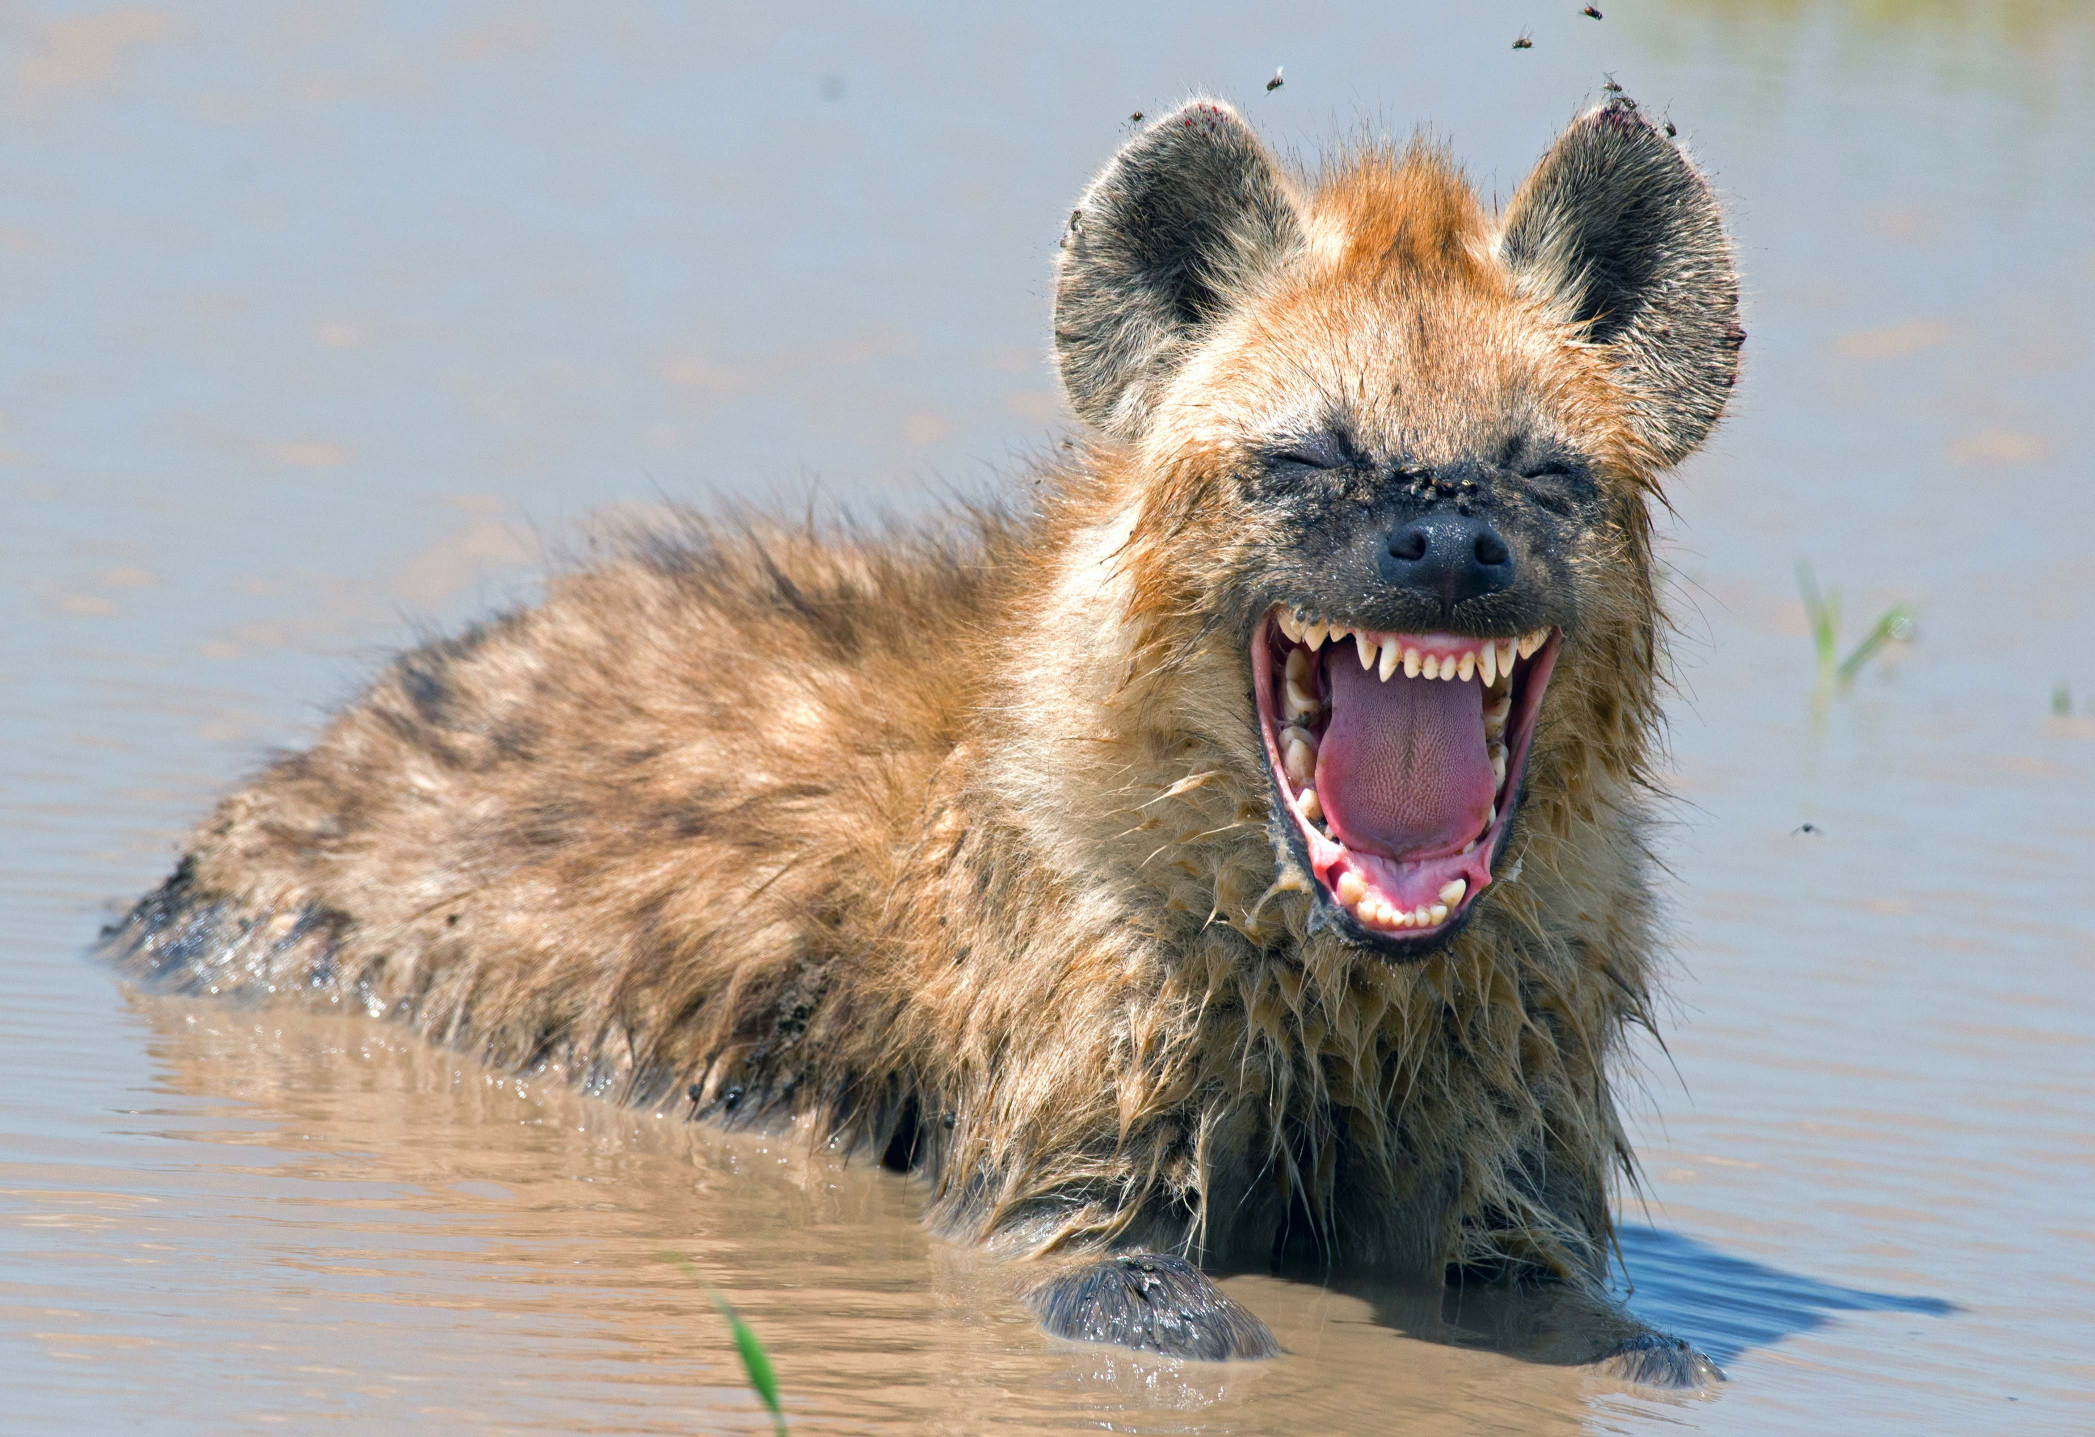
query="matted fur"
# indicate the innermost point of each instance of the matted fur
(958, 848)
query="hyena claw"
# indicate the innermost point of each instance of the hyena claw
(1152, 1303)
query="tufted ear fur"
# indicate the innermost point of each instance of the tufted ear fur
(1616, 231)
(1187, 216)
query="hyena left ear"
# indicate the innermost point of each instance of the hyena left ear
(1187, 216)
(1616, 232)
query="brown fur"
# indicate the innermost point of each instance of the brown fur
(955, 847)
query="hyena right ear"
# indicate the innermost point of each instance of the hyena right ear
(1184, 219)
(1615, 232)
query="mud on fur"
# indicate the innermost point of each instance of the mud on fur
(1095, 862)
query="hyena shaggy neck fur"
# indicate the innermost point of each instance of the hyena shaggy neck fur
(1140, 870)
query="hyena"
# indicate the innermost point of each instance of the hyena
(1233, 857)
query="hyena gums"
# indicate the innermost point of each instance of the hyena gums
(1233, 860)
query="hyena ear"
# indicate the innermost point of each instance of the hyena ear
(1617, 232)
(1187, 216)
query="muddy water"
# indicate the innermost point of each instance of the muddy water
(318, 325)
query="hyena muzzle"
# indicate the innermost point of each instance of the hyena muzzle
(1234, 858)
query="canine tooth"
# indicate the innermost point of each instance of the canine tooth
(1312, 806)
(1392, 655)
(1451, 892)
(1531, 642)
(1439, 913)
(1497, 754)
(1351, 888)
(1467, 669)
(1488, 664)
(1506, 650)
(1291, 625)
(1411, 663)
(1313, 634)
(1366, 646)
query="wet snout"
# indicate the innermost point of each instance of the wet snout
(1445, 558)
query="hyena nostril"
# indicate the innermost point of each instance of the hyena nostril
(1449, 558)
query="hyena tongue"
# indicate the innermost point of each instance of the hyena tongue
(1402, 769)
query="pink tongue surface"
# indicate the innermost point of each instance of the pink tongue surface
(1402, 770)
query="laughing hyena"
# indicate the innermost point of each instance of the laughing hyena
(1234, 858)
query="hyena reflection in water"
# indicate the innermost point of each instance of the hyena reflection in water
(1234, 859)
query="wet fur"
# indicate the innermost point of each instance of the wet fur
(956, 847)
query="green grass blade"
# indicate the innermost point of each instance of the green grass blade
(1895, 623)
(1823, 612)
(755, 1361)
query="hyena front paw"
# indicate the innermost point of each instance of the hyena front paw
(1151, 1303)
(1653, 1359)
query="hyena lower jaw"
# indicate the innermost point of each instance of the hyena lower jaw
(1398, 759)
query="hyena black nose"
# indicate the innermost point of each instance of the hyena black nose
(1446, 557)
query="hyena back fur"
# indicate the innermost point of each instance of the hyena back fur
(970, 848)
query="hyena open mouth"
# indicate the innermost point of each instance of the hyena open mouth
(1399, 758)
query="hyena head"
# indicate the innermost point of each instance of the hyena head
(1385, 460)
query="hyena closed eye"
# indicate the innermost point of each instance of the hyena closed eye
(1233, 860)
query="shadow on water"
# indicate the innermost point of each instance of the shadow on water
(1722, 1304)
(1727, 1305)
